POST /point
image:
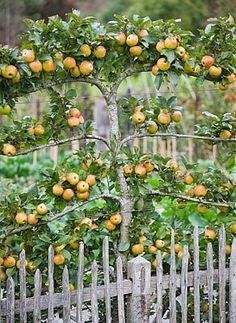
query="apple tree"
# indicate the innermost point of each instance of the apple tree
(133, 197)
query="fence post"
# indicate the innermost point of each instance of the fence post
(139, 271)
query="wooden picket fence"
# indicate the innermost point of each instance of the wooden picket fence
(135, 295)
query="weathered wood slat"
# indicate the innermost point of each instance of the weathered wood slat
(232, 284)
(80, 285)
(37, 296)
(10, 300)
(172, 290)
(50, 284)
(23, 313)
(106, 279)
(58, 297)
(222, 281)
(196, 276)
(210, 278)
(0, 301)
(159, 276)
(66, 295)
(120, 290)
(94, 300)
(184, 285)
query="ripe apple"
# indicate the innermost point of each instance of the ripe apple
(109, 225)
(172, 164)
(202, 208)
(28, 55)
(178, 248)
(83, 196)
(82, 187)
(210, 234)
(121, 38)
(116, 219)
(9, 262)
(143, 33)
(91, 180)
(137, 249)
(59, 259)
(215, 72)
(163, 64)
(233, 228)
(9, 71)
(99, 52)
(69, 63)
(32, 219)
(73, 122)
(188, 179)
(36, 66)
(132, 40)
(86, 50)
(160, 244)
(58, 56)
(128, 169)
(180, 51)
(57, 190)
(231, 78)
(152, 249)
(149, 166)
(152, 127)
(140, 170)
(176, 116)
(138, 117)
(135, 50)
(39, 130)
(171, 43)
(86, 221)
(155, 70)
(68, 194)
(200, 190)
(86, 67)
(72, 178)
(207, 61)
(75, 71)
(21, 217)
(74, 112)
(16, 79)
(185, 57)
(49, 66)
(160, 46)
(9, 150)
(225, 134)
(164, 118)
(42, 209)
(5, 109)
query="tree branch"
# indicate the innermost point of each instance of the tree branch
(56, 216)
(190, 199)
(62, 142)
(176, 135)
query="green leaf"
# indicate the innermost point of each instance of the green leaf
(158, 81)
(196, 219)
(173, 77)
(154, 182)
(124, 246)
(71, 94)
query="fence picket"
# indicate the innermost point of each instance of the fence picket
(66, 295)
(0, 301)
(196, 276)
(50, 285)
(10, 300)
(210, 273)
(94, 301)
(80, 285)
(23, 314)
(159, 275)
(184, 285)
(120, 290)
(106, 279)
(172, 289)
(232, 284)
(222, 280)
(37, 296)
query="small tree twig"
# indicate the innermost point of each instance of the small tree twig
(176, 135)
(190, 199)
